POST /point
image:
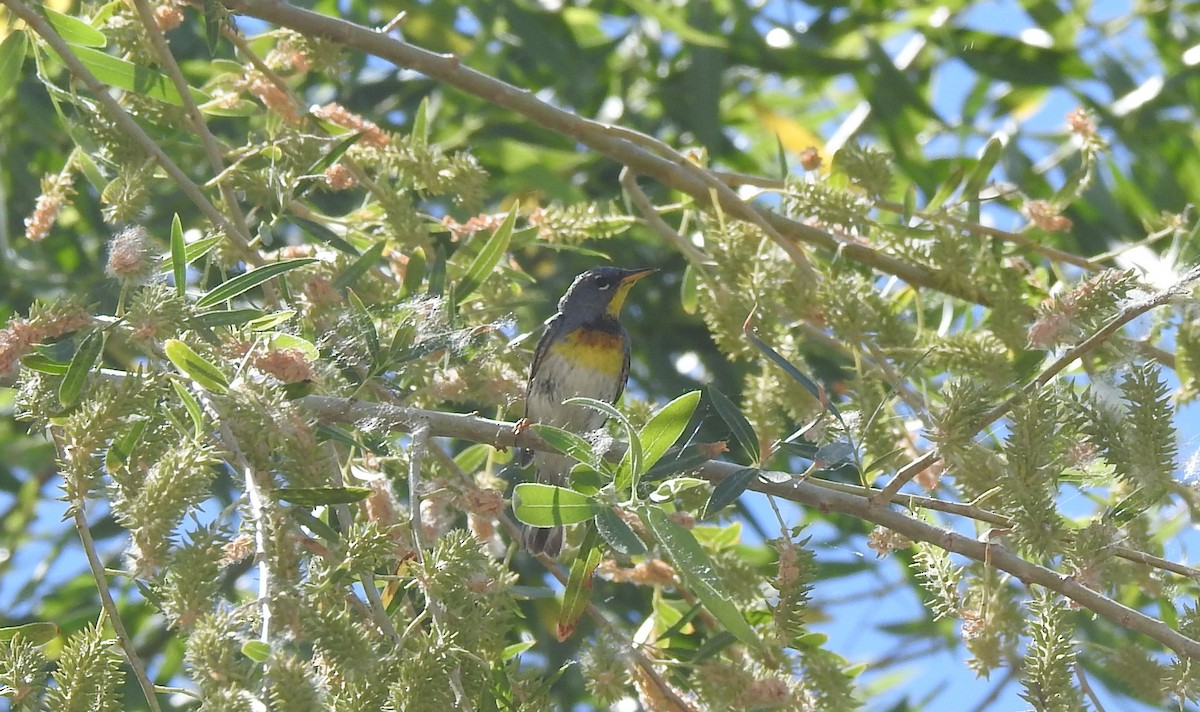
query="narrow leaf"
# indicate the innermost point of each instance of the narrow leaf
(742, 431)
(633, 455)
(487, 259)
(44, 364)
(81, 365)
(729, 489)
(689, 290)
(256, 650)
(12, 57)
(579, 584)
(123, 447)
(126, 75)
(699, 573)
(983, 169)
(267, 322)
(360, 266)
(656, 437)
(212, 25)
(334, 154)
(808, 384)
(178, 255)
(38, 633)
(192, 406)
(245, 282)
(541, 505)
(74, 30)
(420, 129)
(324, 234)
(569, 443)
(618, 534)
(196, 366)
(225, 317)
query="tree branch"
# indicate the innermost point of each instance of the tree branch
(502, 434)
(598, 136)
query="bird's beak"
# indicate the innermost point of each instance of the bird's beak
(618, 298)
(636, 274)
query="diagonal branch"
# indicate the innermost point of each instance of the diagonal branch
(788, 486)
(614, 144)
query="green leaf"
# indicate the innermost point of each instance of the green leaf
(44, 364)
(689, 289)
(670, 489)
(123, 74)
(633, 455)
(579, 584)
(487, 259)
(256, 650)
(38, 633)
(699, 573)
(334, 153)
(196, 366)
(192, 406)
(655, 438)
(195, 250)
(983, 169)
(245, 282)
(212, 25)
(516, 649)
(178, 255)
(617, 533)
(266, 322)
(12, 57)
(570, 444)
(669, 17)
(319, 496)
(542, 505)
(742, 431)
(414, 272)
(74, 30)
(816, 391)
(75, 379)
(680, 461)
(324, 234)
(285, 342)
(420, 129)
(360, 266)
(729, 489)
(118, 454)
(225, 317)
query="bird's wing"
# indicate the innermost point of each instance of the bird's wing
(553, 326)
(624, 372)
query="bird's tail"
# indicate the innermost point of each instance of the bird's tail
(543, 540)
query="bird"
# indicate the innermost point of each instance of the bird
(584, 351)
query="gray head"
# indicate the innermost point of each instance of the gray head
(599, 292)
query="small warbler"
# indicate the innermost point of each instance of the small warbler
(584, 352)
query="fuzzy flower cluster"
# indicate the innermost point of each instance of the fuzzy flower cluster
(1059, 318)
(131, 256)
(55, 190)
(335, 113)
(1046, 216)
(22, 335)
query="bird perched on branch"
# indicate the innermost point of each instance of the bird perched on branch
(584, 352)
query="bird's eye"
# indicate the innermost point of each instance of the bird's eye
(603, 283)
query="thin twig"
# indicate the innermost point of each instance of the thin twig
(241, 236)
(110, 606)
(118, 115)
(1086, 687)
(1128, 314)
(602, 138)
(787, 486)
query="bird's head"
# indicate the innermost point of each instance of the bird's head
(600, 292)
